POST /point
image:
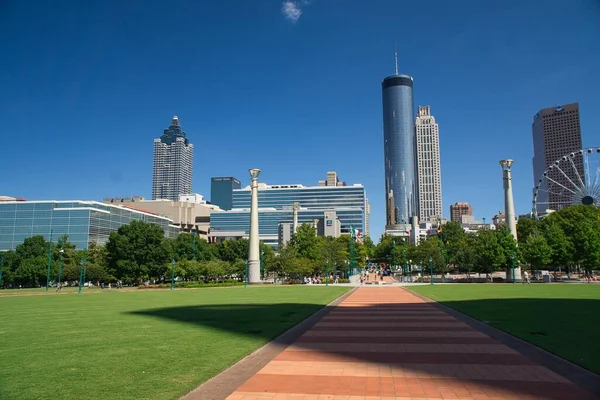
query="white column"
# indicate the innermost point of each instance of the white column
(509, 213)
(295, 207)
(254, 247)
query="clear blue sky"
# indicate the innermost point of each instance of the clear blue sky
(85, 87)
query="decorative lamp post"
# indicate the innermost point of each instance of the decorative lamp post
(326, 273)
(405, 272)
(410, 271)
(84, 266)
(1, 267)
(262, 262)
(394, 253)
(81, 264)
(431, 269)
(254, 248)
(246, 274)
(509, 208)
(173, 273)
(49, 261)
(60, 266)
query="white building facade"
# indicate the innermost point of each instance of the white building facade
(428, 166)
(173, 164)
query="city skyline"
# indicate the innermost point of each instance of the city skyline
(85, 95)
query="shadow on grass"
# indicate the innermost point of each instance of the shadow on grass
(409, 335)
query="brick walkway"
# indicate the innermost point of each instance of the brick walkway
(386, 343)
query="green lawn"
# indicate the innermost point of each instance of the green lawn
(563, 319)
(143, 345)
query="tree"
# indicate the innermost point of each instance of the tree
(508, 244)
(29, 263)
(298, 267)
(582, 225)
(489, 254)
(454, 238)
(428, 251)
(536, 251)
(562, 247)
(463, 253)
(334, 252)
(306, 243)
(526, 227)
(231, 250)
(137, 251)
(369, 247)
(188, 246)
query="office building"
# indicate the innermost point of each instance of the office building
(221, 191)
(458, 209)
(326, 225)
(428, 166)
(367, 218)
(332, 180)
(556, 132)
(84, 222)
(401, 186)
(275, 204)
(191, 213)
(173, 164)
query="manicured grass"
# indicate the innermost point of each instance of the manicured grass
(140, 344)
(563, 319)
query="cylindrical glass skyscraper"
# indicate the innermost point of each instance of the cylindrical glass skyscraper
(399, 150)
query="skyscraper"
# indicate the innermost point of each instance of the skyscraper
(221, 191)
(399, 148)
(173, 164)
(428, 166)
(556, 133)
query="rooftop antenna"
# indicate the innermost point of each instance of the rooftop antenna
(396, 56)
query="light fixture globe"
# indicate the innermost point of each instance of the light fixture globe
(254, 173)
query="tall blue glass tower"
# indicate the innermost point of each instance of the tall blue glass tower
(399, 147)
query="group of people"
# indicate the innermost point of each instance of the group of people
(315, 280)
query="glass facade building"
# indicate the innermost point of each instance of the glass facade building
(275, 206)
(84, 222)
(401, 186)
(221, 191)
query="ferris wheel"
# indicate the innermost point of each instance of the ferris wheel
(572, 179)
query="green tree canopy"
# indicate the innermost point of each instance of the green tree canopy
(137, 251)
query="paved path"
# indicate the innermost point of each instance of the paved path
(386, 343)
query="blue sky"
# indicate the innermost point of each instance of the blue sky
(295, 90)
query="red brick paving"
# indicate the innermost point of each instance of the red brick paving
(384, 343)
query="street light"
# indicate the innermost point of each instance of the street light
(431, 269)
(49, 261)
(173, 273)
(262, 262)
(394, 253)
(60, 266)
(81, 266)
(512, 264)
(410, 270)
(1, 267)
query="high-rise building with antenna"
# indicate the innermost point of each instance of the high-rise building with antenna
(173, 164)
(401, 186)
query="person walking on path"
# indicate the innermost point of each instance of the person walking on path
(526, 277)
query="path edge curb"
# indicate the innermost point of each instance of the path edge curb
(578, 375)
(220, 386)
